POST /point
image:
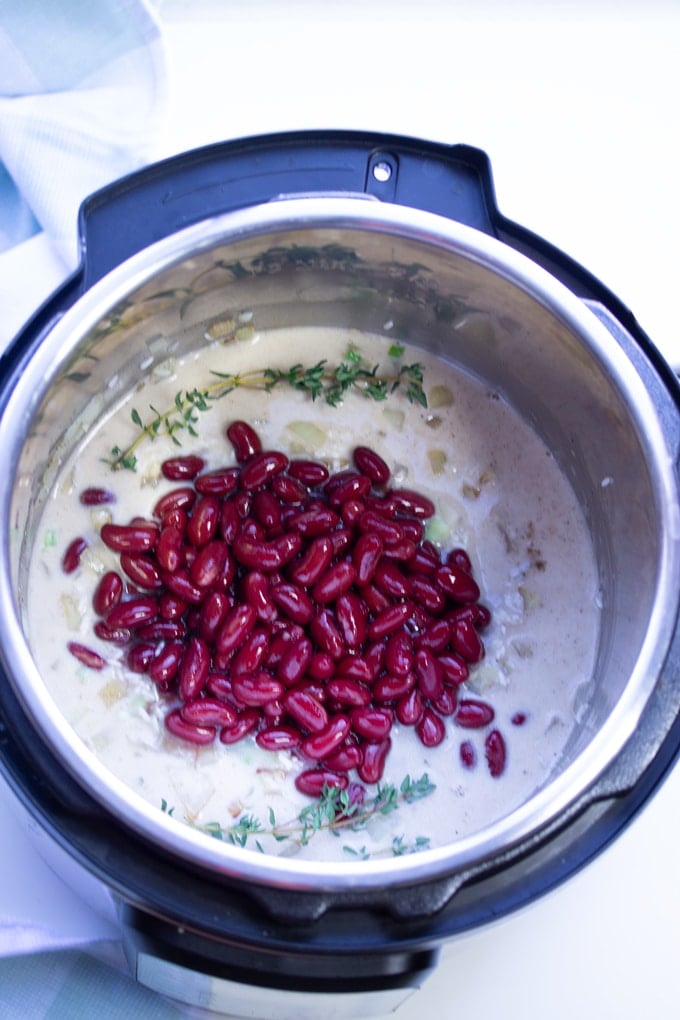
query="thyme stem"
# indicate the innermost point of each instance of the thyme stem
(319, 381)
(335, 810)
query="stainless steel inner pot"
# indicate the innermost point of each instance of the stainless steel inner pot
(372, 266)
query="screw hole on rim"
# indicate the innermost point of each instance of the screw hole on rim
(382, 171)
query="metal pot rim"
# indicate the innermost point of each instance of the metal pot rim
(541, 810)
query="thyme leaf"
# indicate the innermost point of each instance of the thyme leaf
(334, 811)
(320, 381)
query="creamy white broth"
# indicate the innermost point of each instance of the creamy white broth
(498, 492)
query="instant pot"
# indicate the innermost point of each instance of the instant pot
(358, 230)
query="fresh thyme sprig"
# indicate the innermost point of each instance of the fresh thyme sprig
(334, 811)
(319, 381)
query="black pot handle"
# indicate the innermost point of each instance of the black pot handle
(150, 204)
(453, 181)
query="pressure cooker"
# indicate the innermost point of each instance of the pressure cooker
(328, 228)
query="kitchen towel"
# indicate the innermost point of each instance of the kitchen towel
(82, 97)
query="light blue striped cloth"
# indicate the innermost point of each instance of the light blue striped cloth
(81, 90)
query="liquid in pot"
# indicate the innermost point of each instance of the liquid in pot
(497, 492)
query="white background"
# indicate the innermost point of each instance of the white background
(577, 108)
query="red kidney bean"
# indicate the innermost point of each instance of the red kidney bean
(313, 781)
(256, 689)
(204, 520)
(212, 614)
(341, 538)
(235, 628)
(455, 668)
(170, 606)
(247, 721)
(321, 666)
(267, 509)
(346, 758)
(280, 643)
(295, 661)
(133, 612)
(165, 664)
(117, 635)
(289, 490)
(88, 657)
(294, 601)
(376, 600)
(410, 707)
(495, 753)
(169, 548)
(108, 593)
(427, 594)
(459, 558)
(366, 555)
(96, 497)
(278, 738)
(180, 584)
(372, 765)
(352, 486)
(423, 562)
(467, 642)
(337, 579)
(413, 531)
(391, 581)
(390, 619)
(220, 482)
(177, 499)
(273, 713)
(357, 667)
(390, 688)
(260, 468)
(429, 673)
(267, 556)
(370, 463)
(389, 531)
(161, 630)
(317, 521)
(192, 733)
(406, 501)
(352, 615)
(71, 559)
(474, 714)
(468, 755)
(193, 669)
(245, 441)
(310, 472)
(320, 745)
(211, 563)
(447, 702)
(253, 652)
(457, 583)
(371, 723)
(402, 551)
(257, 592)
(430, 728)
(435, 637)
(399, 655)
(140, 655)
(142, 570)
(306, 710)
(208, 712)
(176, 469)
(347, 691)
(129, 538)
(313, 562)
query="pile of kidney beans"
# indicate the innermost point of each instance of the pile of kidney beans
(306, 608)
